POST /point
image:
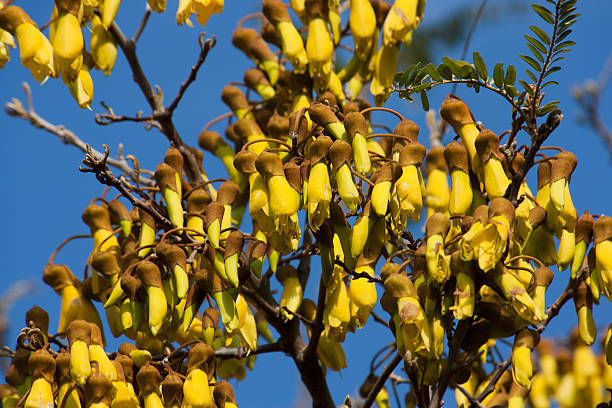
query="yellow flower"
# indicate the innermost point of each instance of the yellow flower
(363, 26)
(400, 22)
(103, 46)
(384, 72)
(35, 50)
(319, 48)
(81, 88)
(203, 8)
(436, 228)
(6, 41)
(157, 6)
(487, 240)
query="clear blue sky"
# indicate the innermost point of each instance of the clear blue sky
(44, 195)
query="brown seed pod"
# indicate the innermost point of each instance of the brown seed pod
(172, 389)
(223, 393)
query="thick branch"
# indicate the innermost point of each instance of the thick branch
(388, 370)
(16, 108)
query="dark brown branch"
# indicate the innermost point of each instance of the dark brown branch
(358, 275)
(381, 380)
(104, 175)
(16, 108)
(110, 118)
(243, 352)
(205, 47)
(470, 397)
(499, 371)
(154, 99)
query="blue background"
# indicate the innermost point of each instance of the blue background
(43, 194)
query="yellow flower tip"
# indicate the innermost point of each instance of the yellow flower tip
(68, 38)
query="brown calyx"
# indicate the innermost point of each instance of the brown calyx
(456, 157)
(584, 227)
(408, 129)
(118, 210)
(437, 223)
(316, 9)
(210, 317)
(223, 393)
(148, 273)
(526, 338)
(381, 9)
(388, 269)
(13, 16)
(197, 201)
(233, 97)
(96, 217)
(79, 330)
(227, 193)
(42, 365)
(502, 206)
(131, 286)
(412, 154)
(58, 276)
(326, 97)
(269, 164)
(146, 218)
(38, 317)
(171, 255)
(96, 335)
(256, 249)
(201, 356)
(399, 285)
(278, 127)
(270, 34)
(322, 114)
(487, 145)
(455, 112)
(336, 215)
(390, 171)
(174, 159)
(319, 149)
(602, 229)
(246, 127)
(435, 159)
(148, 379)
(62, 368)
(214, 212)
(254, 77)
(543, 276)
(298, 127)
(544, 171)
(244, 161)
(285, 271)
(165, 177)
(233, 244)
(340, 153)
(172, 389)
(517, 163)
(210, 141)
(563, 166)
(355, 122)
(275, 11)
(70, 6)
(583, 296)
(106, 263)
(537, 215)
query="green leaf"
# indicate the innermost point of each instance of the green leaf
(551, 70)
(535, 43)
(480, 65)
(511, 91)
(563, 35)
(433, 72)
(498, 75)
(544, 13)
(533, 77)
(424, 101)
(564, 44)
(549, 107)
(541, 34)
(510, 76)
(531, 62)
(526, 86)
(445, 72)
(535, 52)
(549, 83)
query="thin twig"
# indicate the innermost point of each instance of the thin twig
(143, 23)
(205, 47)
(381, 381)
(470, 397)
(16, 108)
(358, 275)
(243, 352)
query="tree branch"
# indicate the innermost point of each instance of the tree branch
(205, 47)
(243, 352)
(470, 397)
(16, 109)
(143, 23)
(103, 174)
(388, 370)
